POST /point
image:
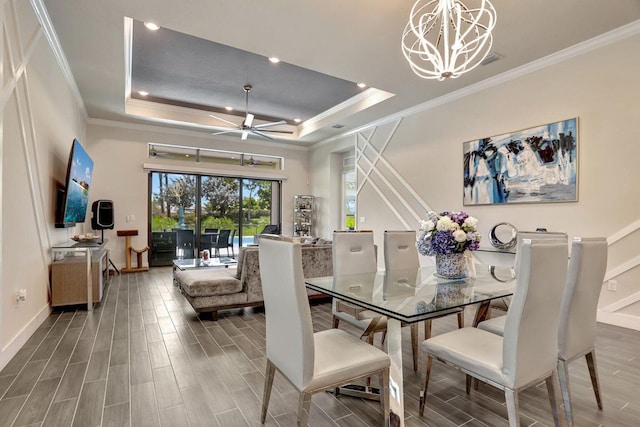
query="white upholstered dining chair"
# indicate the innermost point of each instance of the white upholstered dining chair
(353, 253)
(503, 303)
(527, 352)
(311, 362)
(577, 327)
(400, 253)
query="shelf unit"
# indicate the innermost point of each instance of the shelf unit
(303, 210)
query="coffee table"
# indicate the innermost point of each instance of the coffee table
(196, 263)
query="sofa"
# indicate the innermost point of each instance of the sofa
(211, 289)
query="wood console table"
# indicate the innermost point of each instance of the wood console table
(88, 249)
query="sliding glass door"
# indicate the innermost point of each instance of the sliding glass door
(229, 212)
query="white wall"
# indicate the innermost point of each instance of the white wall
(325, 170)
(420, 164)
(41, 117)
(120, 151)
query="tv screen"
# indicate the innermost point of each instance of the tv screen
(76, 195)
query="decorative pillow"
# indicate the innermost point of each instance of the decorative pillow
(322, 241)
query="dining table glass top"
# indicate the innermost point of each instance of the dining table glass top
(415, 295)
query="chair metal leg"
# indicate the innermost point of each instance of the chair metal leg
(593, 373)
(370, 338)
(461, 319)
(468, 381)
(304, 404)
(552, 387)
(384, 396)
(423, 393)
(414, 345)
(563, 376)
(511, 396)
(266, 394)
(481, 313)
(427, 329)
(336, 320)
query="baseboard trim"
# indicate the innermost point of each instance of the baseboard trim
(619, 319)
(21, 337)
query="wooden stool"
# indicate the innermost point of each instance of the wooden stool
(127, 235)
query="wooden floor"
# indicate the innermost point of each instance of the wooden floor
(143, 358)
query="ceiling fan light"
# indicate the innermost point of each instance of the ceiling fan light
(143, 93)
(297, 120)
(362, 85)
(445, 38)
(274, 59)
(228, 108)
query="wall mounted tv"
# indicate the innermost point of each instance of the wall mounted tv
(73, 200)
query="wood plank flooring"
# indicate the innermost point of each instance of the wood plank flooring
(143, 358)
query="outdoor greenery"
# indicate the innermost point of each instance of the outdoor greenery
(174, 199)
(350, 223)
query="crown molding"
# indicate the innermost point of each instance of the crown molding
(613, 36)
(52, 37)
(186, 132)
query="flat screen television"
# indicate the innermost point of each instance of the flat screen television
(73, 200)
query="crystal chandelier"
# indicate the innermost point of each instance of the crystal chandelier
(444, 38)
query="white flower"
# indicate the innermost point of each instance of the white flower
(427, 225)
(470, 222)
(444, 223)
(460, 236)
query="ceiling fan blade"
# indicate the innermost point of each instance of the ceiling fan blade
(249, 120)
(275, 131)
(265, 125)
(245, 133)
(226, 131)
(259, 133)
(223, 120)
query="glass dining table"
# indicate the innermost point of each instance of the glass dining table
(409, 296)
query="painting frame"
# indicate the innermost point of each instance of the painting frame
(538, 164)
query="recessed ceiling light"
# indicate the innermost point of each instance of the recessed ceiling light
(228, 108)
(297, 120)
(143, 93)
(362, 85)
(274, 60)
(151, 26)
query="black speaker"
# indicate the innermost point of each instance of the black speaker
(102, 215)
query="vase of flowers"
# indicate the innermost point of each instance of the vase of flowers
(447, 236)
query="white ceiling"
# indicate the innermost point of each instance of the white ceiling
(355, 40)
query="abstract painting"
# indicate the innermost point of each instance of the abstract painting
(534, 165)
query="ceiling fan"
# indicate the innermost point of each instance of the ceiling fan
(247, 126)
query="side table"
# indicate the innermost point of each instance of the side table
(87, 248)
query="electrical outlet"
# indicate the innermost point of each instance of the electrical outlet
(363, 219)
(612, 285)
(21, 295)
